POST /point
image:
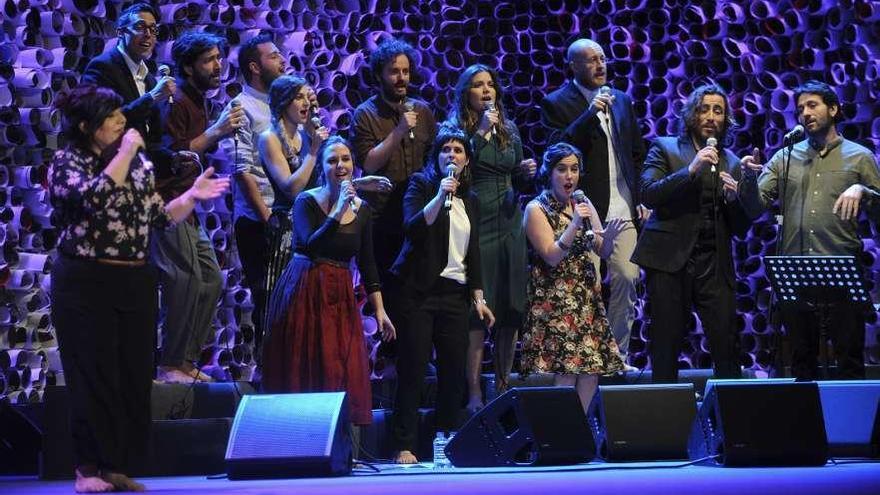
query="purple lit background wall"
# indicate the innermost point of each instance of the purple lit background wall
(759, 50)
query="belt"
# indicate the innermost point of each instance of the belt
(111, 262)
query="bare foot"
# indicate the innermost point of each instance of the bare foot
(90, 484)
(122, 482)
(405, 457)
(475, 403)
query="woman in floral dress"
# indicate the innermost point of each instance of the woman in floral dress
(566, 331)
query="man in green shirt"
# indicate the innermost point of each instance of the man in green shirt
(829, 182)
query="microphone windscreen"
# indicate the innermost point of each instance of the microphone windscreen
(579, 196)
(712, 142)
(164, 70)
(604, 90)
(408, 105)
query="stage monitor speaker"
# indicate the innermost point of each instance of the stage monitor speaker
(524, 427)
(644, 422)
(290, 435)
(851, 412)
(760, 423)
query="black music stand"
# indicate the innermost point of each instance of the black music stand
(818, 284)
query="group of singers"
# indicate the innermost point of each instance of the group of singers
(431, 216)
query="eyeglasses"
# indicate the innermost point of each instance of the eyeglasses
(141, 27)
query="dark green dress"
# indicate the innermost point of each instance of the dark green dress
(496, 178)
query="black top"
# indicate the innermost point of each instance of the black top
(425, 251)
(319, 236)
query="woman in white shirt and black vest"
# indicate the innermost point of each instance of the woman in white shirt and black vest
(438, 273)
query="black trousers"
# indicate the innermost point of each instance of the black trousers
(438, 316)
(701, 286)
(253, 252)
(845, 327)
(106, 322)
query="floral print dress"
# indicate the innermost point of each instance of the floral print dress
(566, 330)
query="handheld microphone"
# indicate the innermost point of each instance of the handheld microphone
(233, 105)
(796, 132)
(165, 71)
(147, 163)
(713, 143)
(315, 117)
(579, 197)
(451, 169)
(490, 107)
(408, 105)
(606, 91)
(344, 185)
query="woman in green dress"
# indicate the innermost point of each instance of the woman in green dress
(499, 173)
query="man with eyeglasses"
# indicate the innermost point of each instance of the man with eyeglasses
(600, 121)
(127, 70)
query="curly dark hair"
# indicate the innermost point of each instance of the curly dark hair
(463, 116)
(89, 104)
(824, 91)
(691, 109)
(191, 45)
(553, 155)
(387, 51)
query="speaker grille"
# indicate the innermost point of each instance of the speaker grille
(282, 426)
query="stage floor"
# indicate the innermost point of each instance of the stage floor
(649, 478)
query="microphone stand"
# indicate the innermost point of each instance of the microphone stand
(775, 310)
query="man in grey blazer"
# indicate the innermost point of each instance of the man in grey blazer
(691, 183)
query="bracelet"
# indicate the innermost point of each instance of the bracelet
(562, 245)
(477, 302)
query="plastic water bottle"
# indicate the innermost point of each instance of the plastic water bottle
(440, 459)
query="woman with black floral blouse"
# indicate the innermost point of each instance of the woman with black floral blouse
(104, 294)
(566, 331)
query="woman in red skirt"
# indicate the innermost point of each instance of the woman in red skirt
(316, 340)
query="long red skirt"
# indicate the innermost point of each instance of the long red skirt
(316, 339)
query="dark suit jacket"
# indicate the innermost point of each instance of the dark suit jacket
(110, 71)
(425, 251)
(669, 236)
(566, 112)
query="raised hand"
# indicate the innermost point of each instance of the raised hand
(372, 183)
(706, 157)
(730, 186)
(207, 188)
(529, 167)
(612, 229)
(752, 163)
(164, 89)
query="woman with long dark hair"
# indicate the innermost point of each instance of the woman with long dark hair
(566, 330)
(316, 341)
(439, 275)
(104, 293)
(499, 172)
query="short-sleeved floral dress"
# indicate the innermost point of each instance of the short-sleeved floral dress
(566, 329)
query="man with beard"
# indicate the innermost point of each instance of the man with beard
(189, 273)
(260, 63)
(602, 125)
(685, 246)
(829, 181)
(391, 135)
(126, 69)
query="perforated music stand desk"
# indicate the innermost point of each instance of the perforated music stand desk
(818, 284)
